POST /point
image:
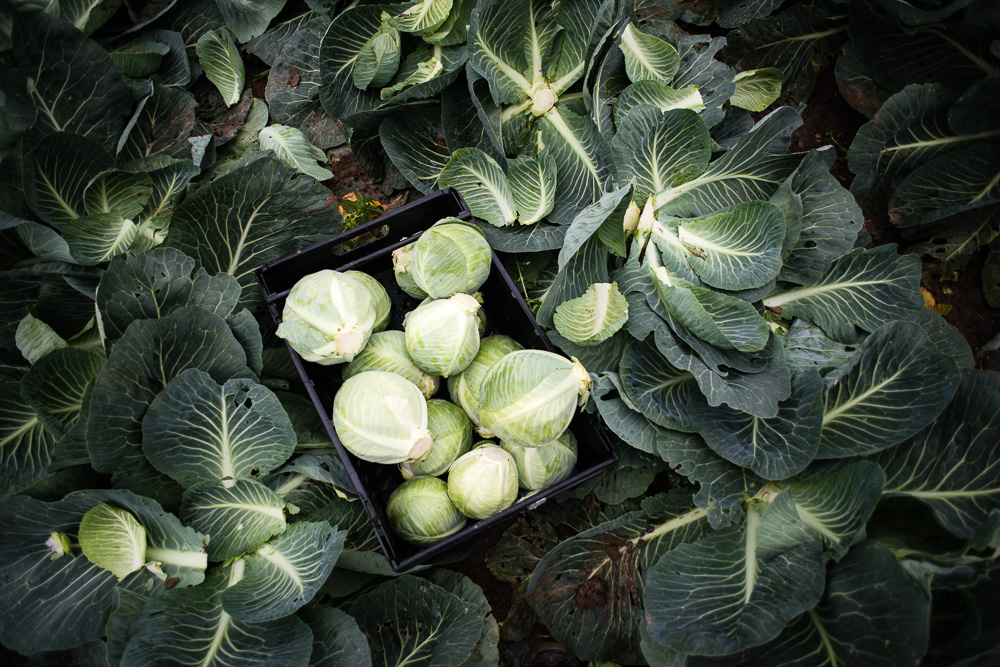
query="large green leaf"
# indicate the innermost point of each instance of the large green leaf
(722, 486)
(95, 239)
(190, 624)
(197, 430)
(55, 386)
(497, 48)
(424, 15)
(751, 170)
(721, 320)
(593, 317)
(735, 249)
(735, 588)
(581, 157)
(292, 148)
(163, 124)
(830, 219)
(56, 173)
(532, 184)
(155, 284)
(757, 89)
(338, 55)
(654, 94)
(773, 448)
(249, 216)
(836, 506)
(411, 140)
(481, 182)
(656, 150)
(755, 387)
(285, 573)
(647, 57)
(222, 64)
(586, 266)
(75, 85)
(864, 288)
(910, 129)
(63, 601)
(808, 348)
(237, 516)
(588, 590)
(952, 464)
(621, 415)
(896, 384)
(440, 628)
(293, 86)
(337, 640)
(953, 183)
(872, 613)
(664, 394)
(249, 18)
(25, 445)
(145, 360)
(118, 192)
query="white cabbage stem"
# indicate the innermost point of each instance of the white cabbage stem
(542, 100)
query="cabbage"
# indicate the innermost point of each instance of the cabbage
(483, 482)
(328, 317)
(442, 336)
(541, 467)
(379, 297)
(451, 257)
(381, 417)
(421, 512)
(529, 397)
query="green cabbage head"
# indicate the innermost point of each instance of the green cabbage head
(530, 396)
(483, 482)
(421, 513)
(541, 467)
(381, 417)
(328, 317)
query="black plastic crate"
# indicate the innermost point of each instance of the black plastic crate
(506, 312)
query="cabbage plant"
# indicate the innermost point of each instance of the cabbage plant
(483, 481)
(449, 258)
(381, 417)
(421, 512)
(442, 336)
(529, 397)
(328, 317)
(541, 467)
(464, 387)
(451, 436)
(386, 351)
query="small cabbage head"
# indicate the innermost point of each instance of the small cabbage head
(483, 482)
(529, 397)
(328, 317)
(380, 298)
(381, 417)
(451, 436)
(464, 387)
(112, 539)
(421, 513)
(386, 351)
(401, 263)
(442, 336)
(451, 257)
(541, 467)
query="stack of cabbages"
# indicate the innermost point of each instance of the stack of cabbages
(384, 412)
